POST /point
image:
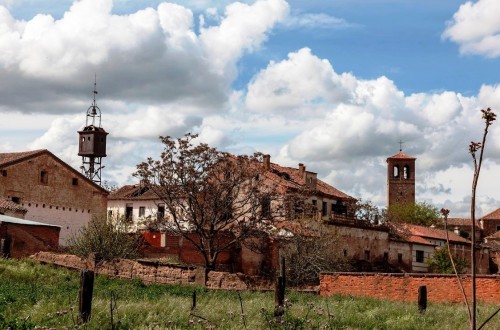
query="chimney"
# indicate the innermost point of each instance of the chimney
(266, 162)
(302, 169)
(456, 230)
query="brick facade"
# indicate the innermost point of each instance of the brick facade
(23, 240)
(50, 190)
(400, 179)
(404, 287)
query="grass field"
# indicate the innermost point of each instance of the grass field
(35, 296)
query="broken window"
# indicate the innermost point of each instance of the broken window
(44, 177)
(129, 209)
(419, 257)
(161, 211)
(265, 205)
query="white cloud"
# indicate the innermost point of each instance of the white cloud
(317, 21)
(476, 28)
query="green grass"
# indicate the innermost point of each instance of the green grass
(39, 296)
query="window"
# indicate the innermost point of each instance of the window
(129, 209)
(110, 213)
(16, 200)
(44, 177)
(161, 211)
(367, 254)
(345, 253)
(314, 202)
(400, 258)
(4, 172)
(395, 171)
(265, 204)
(74, 182)
(419, 256)
(406, 172)
(142, 211)
(324, 209)
(498, 228)
(386, 256)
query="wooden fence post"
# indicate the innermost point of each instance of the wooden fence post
(279, 292)
(85, 294)
(422, 298)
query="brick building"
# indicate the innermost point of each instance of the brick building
(400, 179)
(50, 190)
(21, 238)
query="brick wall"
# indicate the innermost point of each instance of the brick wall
(25, 240)
(56, 202)
(404, 287)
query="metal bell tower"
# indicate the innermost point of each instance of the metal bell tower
(92, 145)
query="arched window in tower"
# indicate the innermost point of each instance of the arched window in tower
(395, 171)
(406, 172)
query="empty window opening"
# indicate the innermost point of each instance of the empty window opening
(161, 211)
(395, 171)
(265, 205)
(400, 258)
(142, 211)
(386, 256)
(129, 209)
(419, 257)
(74, 182)
(367, 255)
(4, 172)
(44, 177)
(406, 172)
(16, 200)
(324, 209)
(345, 253)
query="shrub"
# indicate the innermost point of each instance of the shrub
(106, 238)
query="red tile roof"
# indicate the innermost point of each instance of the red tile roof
(495, 215)
(434, 233)
(133, 192)
(461, 222)
(13, 157)
(401, 155)
(292, 178)
(11, 206)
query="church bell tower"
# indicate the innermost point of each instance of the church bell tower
(400, 179)
(92, 143)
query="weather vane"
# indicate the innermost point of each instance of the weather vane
(400, 145)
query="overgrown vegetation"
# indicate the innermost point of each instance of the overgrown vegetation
(441, 262)
(105, 238)
(420, 213)
(28, 300)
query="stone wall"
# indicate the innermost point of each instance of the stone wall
(404, 287)
(151, 272)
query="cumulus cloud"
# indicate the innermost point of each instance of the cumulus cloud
(475, 28)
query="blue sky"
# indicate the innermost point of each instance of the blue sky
(332, 84)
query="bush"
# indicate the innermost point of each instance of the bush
(106, 238)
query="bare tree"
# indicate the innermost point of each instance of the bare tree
(213, 199)
(488, 117)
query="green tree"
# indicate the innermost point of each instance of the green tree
(106, 238)
(441, 262)
(420, 213)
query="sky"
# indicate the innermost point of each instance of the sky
(333, 84)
